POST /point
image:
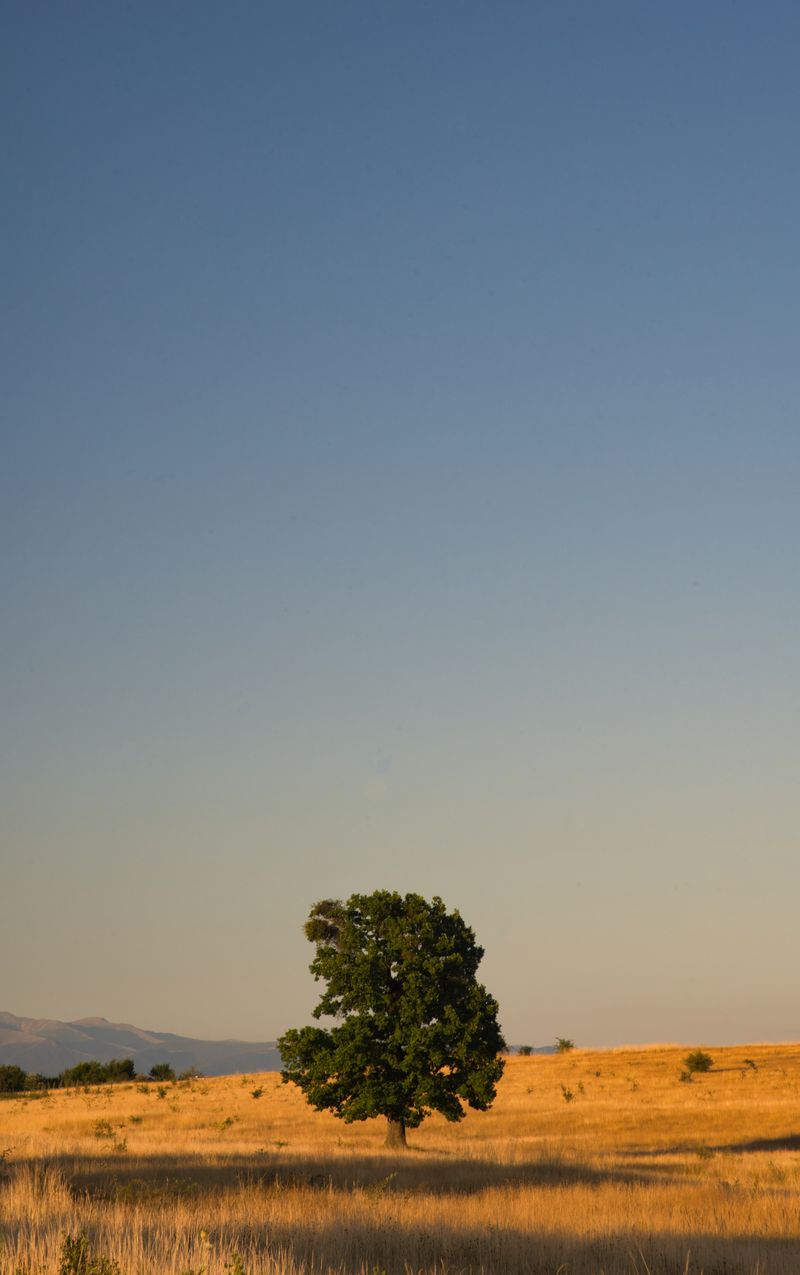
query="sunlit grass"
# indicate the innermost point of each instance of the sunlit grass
(635, 1172)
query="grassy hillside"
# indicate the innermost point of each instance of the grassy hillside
(588, 1162)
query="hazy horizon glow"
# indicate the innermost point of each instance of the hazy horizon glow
(399, 489)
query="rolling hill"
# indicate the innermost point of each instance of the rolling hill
(48, 1046)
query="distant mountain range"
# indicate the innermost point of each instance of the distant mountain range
(48, 1047)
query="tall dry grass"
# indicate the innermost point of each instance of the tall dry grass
(634, 1173)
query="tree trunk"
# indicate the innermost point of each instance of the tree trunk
(395, 1134)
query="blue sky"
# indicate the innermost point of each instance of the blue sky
(400, 490)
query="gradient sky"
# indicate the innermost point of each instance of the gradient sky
(399, 489)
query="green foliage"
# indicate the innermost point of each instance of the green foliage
(77, 1259)
(162, 1071)
(12, 1079)
(38, 1084)
(567, 1094)
(256, 1093)
(381, 1186)
(119, 1069)
(155, 1191)
(525, 1051)
(234, 1266)
(104, 1129)
(564, 1044)
(92, 1072)
(417, 1032)
(698, 1061)
(685, 1077)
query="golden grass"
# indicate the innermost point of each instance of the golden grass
(636, 1173)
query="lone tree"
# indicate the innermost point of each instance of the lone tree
(417, 1031)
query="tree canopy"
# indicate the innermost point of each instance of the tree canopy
(416, 1031)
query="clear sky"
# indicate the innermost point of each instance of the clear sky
(399, 489)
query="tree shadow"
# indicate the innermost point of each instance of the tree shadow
(173, 1177)
(786, 1142)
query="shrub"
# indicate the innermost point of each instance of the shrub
(698, 1061)
(564, 1044)
(76, 1259)
(162, 1071)
(525, 1050)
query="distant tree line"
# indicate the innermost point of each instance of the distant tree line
(14, 1080)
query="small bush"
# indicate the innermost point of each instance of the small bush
(564, 1044)
(378, 1188)
(162, 1071)
(698, 1061)
(76, 1259)
(525, 1050)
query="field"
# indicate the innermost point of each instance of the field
(588, 1162)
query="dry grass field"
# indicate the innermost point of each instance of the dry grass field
(588, 1162)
